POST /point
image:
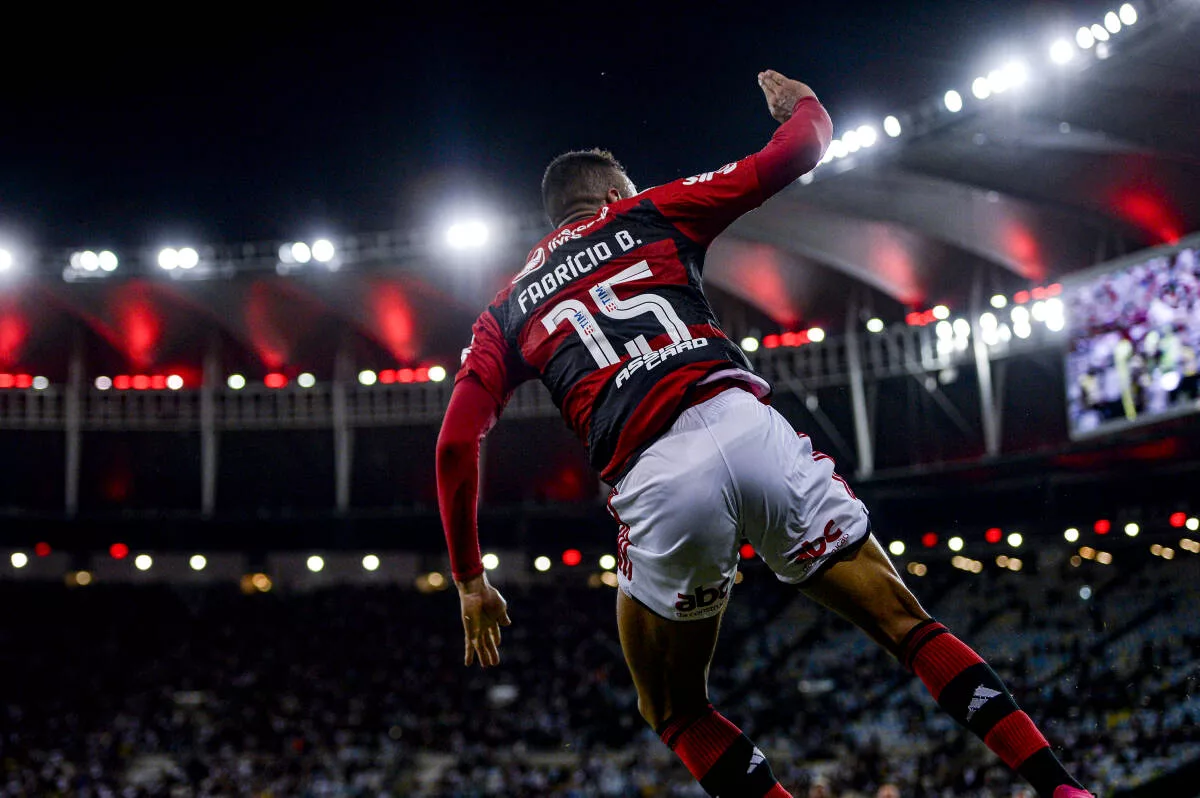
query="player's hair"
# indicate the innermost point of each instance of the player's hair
(577, 176)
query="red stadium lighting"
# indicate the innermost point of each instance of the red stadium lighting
(158, 382)
(118, 551)
(387, 376)
(929, 540)
(1021, 297)
(140, 382)
(771, 342)
(790, 339)
(572, 557)
(121, 382)
(1038, 293)
(747, 551)
(405, 375)
(1178, 519)
(275, 380)
(23, 381)
(6, 380)
(1103, 526)
(42, 549)
(422, 374)
(993, 535)
(1054, 289)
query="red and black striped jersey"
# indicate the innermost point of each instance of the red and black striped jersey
(610, 314)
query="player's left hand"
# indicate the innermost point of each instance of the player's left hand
(484, 611)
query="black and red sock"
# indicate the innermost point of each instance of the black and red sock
(720, 757)
(971, 693)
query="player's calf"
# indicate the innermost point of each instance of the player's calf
(720, 757)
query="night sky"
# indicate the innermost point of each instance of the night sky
(211, 126)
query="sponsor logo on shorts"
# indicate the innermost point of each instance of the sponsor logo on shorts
(812, 549)
(704, 600)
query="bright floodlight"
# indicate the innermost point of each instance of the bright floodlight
(1112, 22)
(437, 373)
(944, 330)
(1062, 51)
(1084, 38)
(816, 335)
(541, 564)
(1192, 524)
(962, 328)
(143, 562)
(1020, 315)
(850, 139)
(1015, 540)
(315, 563)
(491, 562)
(467, 235)
(955, 543)
(19, 559)
(89, 261)
(1071, 535)
(896, 547)
(367, 377)
(953, 101)
(1099, 33)
(1016, 74)
(837, 149)
(103, 383)
(301, 253)
(1128, 14)
(999, 301)
(322, 250)
(988, 321)
(198, 562)
(188, 258)
(981, 88)
(40, 383)
(306, 380)
(236, 381)
(891, 126)
(107, 261)
(867, 136)
(174, 382)
(1132, 529)
(370, 562)
(875, 325)
(941, 312)
(6, 260)
(608, 562)
(749, 344)
(168, 258)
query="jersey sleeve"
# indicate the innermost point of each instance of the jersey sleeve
(492, 360)
(703, 205)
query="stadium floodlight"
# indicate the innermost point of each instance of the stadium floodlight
(1038, 310)
(437, 373)
(1015, 540)
(306, 380)
(1112, 22)
(981, 88)
(891, 126)
(198, 562)
(323, 250)
(941, 312)
(143, 562)
(867, 136)
(944, 330)
(1016, 74)
(103, 383)
(953, 101)
(188, 258)
(896, 547)
(955, 543)
(1020, 315)
(837, 149)
(749, 344)
(168, 258)
(1062, 52)
(6, 260)
(107, 260)
(541, 564)
(301, 252)
(608, 562)
(1084, 38)
(1071, 535)
(491, 562)
(19, 559)
(1132, 529)
(962, 328)
(236, 382)
(370, 562)
(999, 301)
(1099, 33)
(315, 563)
(875, 325)
(40, 383)
(850, 139)
(1192, 524)
(1128, 14)
(816, 335)
(467, 235)
(89, 261)
(174, 382)
(367, 377)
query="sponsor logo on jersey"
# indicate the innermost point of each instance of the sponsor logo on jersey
(707, 176)
(656, 358)
(981, 697)
(536, 260)
(575, 232)
(703, 600)
(812, 549)
(572, 267)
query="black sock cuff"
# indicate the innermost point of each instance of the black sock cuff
(916, 639)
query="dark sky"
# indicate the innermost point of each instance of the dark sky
(208, 124)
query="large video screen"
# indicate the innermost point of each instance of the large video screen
(1134, 339)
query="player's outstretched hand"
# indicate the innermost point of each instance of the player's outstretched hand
(782, 93)
(484, 611)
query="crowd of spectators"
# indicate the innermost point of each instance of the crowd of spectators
(354, 691)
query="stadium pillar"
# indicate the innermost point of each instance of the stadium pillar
(343, 434)
(208, 434)
(73, 418)
(864, 443)
(983, 371)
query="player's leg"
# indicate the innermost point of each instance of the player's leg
(864, 588)
(669, 662)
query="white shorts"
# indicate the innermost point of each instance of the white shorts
(728, 468)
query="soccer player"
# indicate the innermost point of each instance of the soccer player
(609, 313)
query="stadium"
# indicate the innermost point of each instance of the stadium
(224, 563)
